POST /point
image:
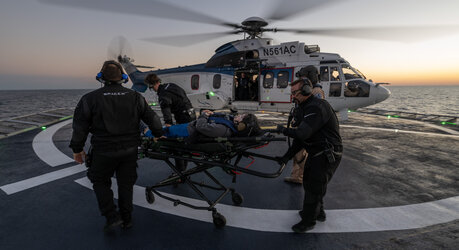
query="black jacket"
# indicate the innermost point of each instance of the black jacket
(173, 100)
(318, 128)
(112, 115)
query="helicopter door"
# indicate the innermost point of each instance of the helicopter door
(332, 83)
(274, 85)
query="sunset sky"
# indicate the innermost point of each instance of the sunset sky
(46, 46)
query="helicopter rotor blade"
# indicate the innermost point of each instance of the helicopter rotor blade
(149, 8)
(285, 9)
(401, 34)
(190, 39)
(119, 46)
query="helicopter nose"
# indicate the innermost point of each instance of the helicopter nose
(382, 94)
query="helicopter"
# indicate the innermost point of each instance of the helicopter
(269, 67)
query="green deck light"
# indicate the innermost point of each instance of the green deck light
(43, 127)
(211, 93)
(388, 117)
(153, 104)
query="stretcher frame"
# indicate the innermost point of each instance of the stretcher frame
(230, 148)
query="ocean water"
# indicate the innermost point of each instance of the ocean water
(433, 100)
(441, 100)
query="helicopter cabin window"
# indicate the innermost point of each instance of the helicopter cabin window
(282, 79)
(357, 89)
(335, 89)
(195, 82)
(349, 72)
(324, 74)
(217, 82)
(268, 80)
(334, 74)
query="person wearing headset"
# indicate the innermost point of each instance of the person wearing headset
(309, 72)
(112, 115)
(318, 133)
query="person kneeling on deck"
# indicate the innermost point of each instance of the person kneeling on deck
(318, 133)
(210, 124)
(112, 115)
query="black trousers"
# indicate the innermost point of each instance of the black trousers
(317, 174)
(123, 162)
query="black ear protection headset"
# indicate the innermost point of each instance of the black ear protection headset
(247, 124)
(306, 89)
(100, 75)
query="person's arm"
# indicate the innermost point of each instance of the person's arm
(81, 125)
(166, 102)
(150, 117)
(311, 123)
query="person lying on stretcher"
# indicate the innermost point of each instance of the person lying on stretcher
(211, 124)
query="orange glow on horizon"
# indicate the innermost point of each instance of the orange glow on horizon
(416, 77)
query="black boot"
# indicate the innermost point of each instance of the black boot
(127, 221)
(303, 226)
(321, 216)
(113, 221)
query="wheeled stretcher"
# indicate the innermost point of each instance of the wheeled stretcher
(225, 153)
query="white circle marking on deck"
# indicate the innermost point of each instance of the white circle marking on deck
(270, 220)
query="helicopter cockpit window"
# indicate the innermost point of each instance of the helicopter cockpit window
(268, 80)
(334, 74)
(235, 59)
(350, 73)
(195, 82)
(324, 74)
(217, 82)
(357, 89)
(335, 89)
(282, 79)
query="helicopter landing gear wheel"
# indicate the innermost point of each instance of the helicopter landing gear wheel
(149, 196)
(237, 198)
(219, 220)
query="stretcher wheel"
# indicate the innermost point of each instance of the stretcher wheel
(237, 198)
(219, 220)
(149, 196)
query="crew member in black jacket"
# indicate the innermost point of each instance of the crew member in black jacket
(112, 115)
(173, 100)
(318, 133)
